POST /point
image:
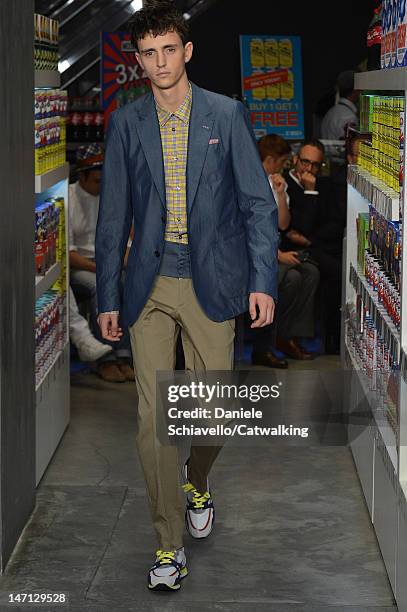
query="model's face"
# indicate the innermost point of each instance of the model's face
(163, 58)
(309, 159)
(91, 183)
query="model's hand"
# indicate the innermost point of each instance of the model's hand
(109, 326)
(289, 257)
(308, 181)
(279, 183)
(266, 308)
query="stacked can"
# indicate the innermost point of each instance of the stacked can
(381, 157)
(61, 284)
(46, 230)
(50, 110)
(47, 332)
(46, 41)
(378, 361)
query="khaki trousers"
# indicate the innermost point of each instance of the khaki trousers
(172, 308)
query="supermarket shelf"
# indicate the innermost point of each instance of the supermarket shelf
(385, 200)
(383, 427)
(358, 132)
(52, 411)
(57, 356)
(378, 311)
(43, 283)
(394, 79)
(47, 78)
(49, 179)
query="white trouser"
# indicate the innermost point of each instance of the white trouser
(78, 325)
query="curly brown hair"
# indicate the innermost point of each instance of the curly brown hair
(157, 17)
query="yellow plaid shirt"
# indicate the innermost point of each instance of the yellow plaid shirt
(174, 141)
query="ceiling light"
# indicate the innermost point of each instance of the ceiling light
(187, 16)
(64, 65)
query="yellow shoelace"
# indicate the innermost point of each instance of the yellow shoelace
(198, 500)
(165, 557)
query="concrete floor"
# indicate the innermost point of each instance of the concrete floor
(292, 533)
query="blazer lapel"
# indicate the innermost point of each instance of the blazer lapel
(200, 129)
(149, 133)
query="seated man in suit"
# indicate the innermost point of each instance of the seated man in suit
(298, 281)
(317, 225)
(183, 163)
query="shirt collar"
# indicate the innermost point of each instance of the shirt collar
(348, 103)
(182, 113)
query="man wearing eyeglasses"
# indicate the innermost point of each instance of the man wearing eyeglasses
(316, 229)
(303, 188)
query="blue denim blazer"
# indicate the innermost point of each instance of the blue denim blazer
(231, 211)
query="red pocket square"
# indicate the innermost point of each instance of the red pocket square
(214, 141)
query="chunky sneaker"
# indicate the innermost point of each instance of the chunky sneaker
(200, 512)
(90, 349)
(168, 570)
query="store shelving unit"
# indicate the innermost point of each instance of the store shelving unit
(380, 453)
(45, 181)
(53, 391)
(43, 283)
(44, 79)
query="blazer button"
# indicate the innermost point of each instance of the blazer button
(157, 253)
(163, 219)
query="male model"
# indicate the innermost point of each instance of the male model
(183, 163)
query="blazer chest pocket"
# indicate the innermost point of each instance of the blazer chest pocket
(231, 265)
(214, 162)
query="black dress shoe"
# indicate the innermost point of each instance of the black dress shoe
(269, 360)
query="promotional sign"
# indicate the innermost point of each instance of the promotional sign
(272, 84)
(122, 77)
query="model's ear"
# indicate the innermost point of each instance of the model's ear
(139, 59)
(189, 47)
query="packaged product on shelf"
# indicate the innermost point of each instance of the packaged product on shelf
(384, 35)
(46, 233)
(50, 131)
(387, 9)
(401, 34)
(363, 239)
(46, 39)
(393, 34)
(50, 331)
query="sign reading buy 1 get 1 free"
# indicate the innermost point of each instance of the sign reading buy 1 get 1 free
(271, 72)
